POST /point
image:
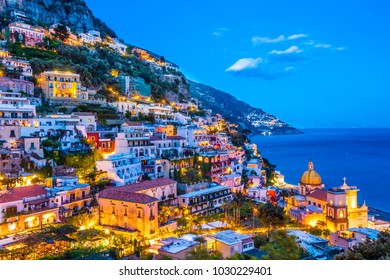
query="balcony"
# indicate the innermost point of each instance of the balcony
(68, 201)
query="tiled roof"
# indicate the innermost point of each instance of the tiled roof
(318, 194)
(123, 195)
(22, 192)
(145, 185)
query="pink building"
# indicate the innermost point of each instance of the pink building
(32, 35)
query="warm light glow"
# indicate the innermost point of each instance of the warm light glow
(313, 223)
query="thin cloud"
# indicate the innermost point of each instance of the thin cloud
(260, 40)
(278, 62)
(244, 63)
(260, 68)
(256, 40)
(290, 50)
(220, 31)
(296, 36)
(325, 46)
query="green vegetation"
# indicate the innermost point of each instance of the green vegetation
(270, 172)
(319, 232)
(369, 250)
(278, 245)
(272, 216)
(204, 254)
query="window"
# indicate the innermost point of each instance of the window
(138, 213)
(11, 210)
(341, 213)
(125, 212)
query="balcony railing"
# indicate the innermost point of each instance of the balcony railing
(76, 199)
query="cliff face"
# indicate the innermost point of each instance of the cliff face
(73, 13)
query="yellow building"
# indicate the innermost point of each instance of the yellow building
(122, 208)
(62, 86)
(357, 216)
(26, 208)
(335, 208)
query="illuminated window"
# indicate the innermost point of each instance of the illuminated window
(341, 203)
(341, 213)
(331, 202)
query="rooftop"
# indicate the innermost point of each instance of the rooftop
(123, 195)
(21, 193)
(318, 194)
(231, 237)
(204, 191)
(175, 245)
(306, 237)
(369, 232)
(145, 185)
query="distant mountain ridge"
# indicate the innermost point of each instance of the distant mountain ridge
(239, 112)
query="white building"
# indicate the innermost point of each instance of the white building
(182, 119)
(258, 193)
(91, 37)
(206, 201)
(196, 136)
(121, 168)
(77, 124)
(254, 166)
(16, 110)
(229, 242)
(118, 46)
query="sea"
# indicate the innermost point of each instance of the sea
(360, 155)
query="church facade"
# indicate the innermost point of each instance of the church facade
(334, 208)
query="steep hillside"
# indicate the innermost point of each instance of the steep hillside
(73, 13)
(96, 64)
(239, 112)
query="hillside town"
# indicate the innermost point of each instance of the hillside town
(127, 175)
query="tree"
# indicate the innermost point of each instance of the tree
(270, 172)
(260, 239)
(241, 257)
(378, 249)
(84, 163)
(272, 216)
(204, 254)
(281, 246)
(61, 32)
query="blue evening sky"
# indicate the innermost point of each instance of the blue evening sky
(311, 63)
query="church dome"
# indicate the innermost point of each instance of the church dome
(310, 176)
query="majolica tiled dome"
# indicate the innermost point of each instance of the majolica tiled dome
(310, 176)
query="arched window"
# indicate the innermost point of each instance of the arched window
(331, 212)
(341, 214)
